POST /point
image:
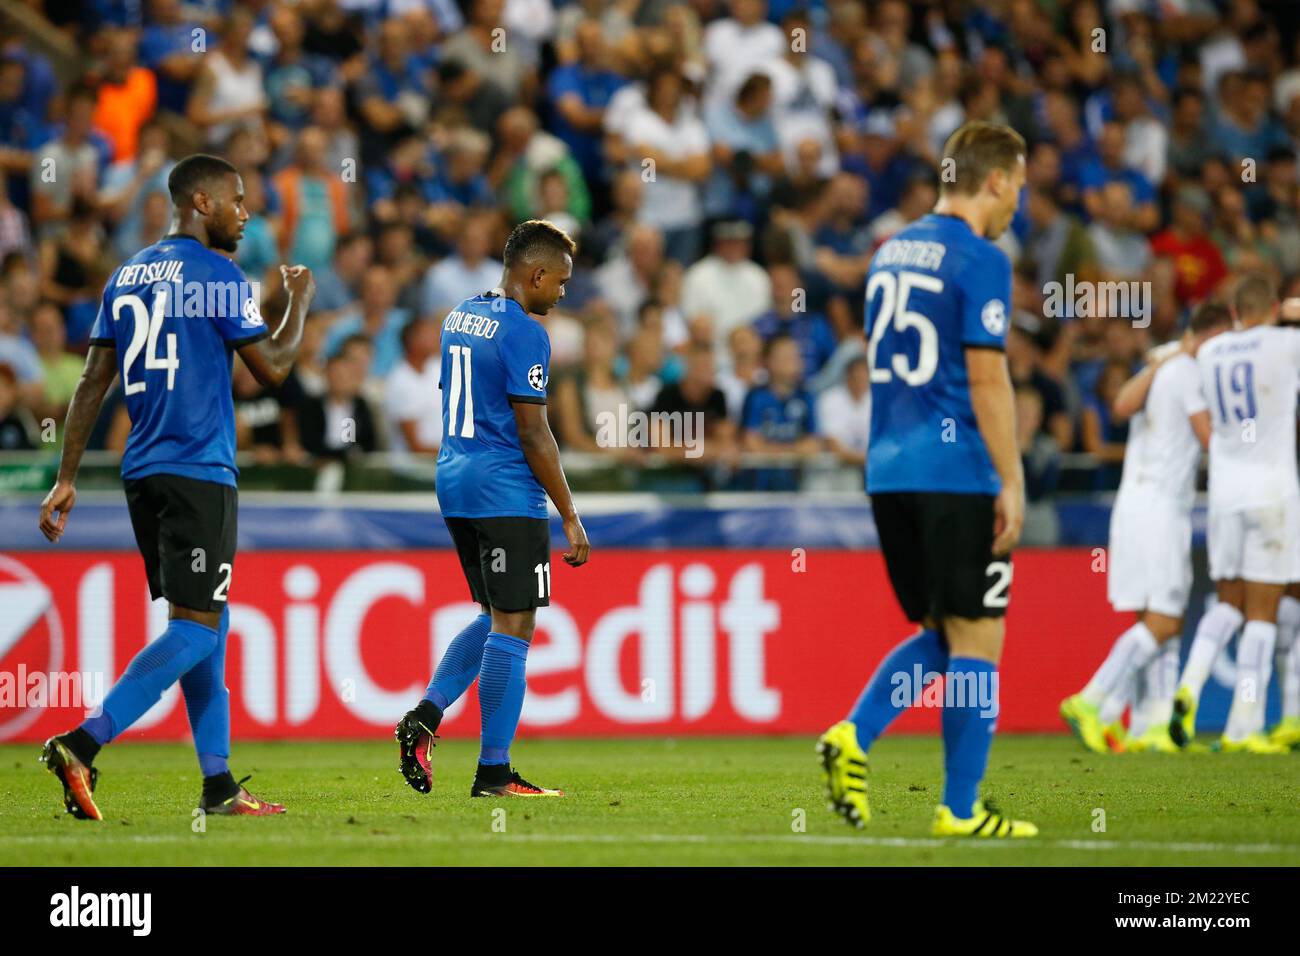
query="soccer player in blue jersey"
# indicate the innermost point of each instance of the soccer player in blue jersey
(944, 475)
(169, 322)
(497, 466)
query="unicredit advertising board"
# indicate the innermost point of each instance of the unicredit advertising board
(341, 643)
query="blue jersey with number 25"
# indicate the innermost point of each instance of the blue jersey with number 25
(933, 290)
(493, 355)
(174, 312)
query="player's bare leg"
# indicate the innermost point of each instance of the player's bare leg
(971, 706)
(1217, 625)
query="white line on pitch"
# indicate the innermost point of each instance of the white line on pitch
(690, 838)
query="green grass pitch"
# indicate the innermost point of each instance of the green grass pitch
(753, 801)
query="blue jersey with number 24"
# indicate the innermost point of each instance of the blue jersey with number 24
(934, 289)
(174, 312)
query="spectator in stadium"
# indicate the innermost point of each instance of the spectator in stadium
(15, 232)
(790, 315)
(1040, 456)
(666, 140)
(843, 244)
(746, 152)
(779, 417)
(919, 197)
(338, 423)
(696, 394)
(1190, 144)
(391, 94)
(314, 208)
(525, 156)
(1123, 252)
(228, 92)
(413, 398)
(60, 370)
(628, 279)
(1101, 434)
(66, 169)
(338, 287)
(471, 271)
(74, 266)
(1025, 357)
(127, 95)
(128, 184)
(804, 95)
(167, 47)
(14, 433)
(844, 414)
(293, 76)
(1197, 262)
(727, 284)
(591, 394)
(478, 47)
(578, 93)
(1110, 167)
(258, 413)
(643, 367)
(743, 369)
(739, 45)
(377, 318)
(1056, 242)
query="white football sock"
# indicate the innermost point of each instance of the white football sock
(1288, 653)
(1160, 679)
(1212, 633)
(1254, 668)
(1130, 653)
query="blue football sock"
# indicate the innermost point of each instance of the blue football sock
(970, 715)
(501, 688)
(897, 683)
(152, 671)
(207, 702)
(460, 664)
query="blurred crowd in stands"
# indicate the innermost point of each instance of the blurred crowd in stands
(727, 168)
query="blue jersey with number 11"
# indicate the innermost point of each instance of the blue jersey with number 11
(493, 355)
(933, 290)
(174, 312)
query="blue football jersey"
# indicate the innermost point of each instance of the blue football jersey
(174, 312)
(933, 289)
(493, 354)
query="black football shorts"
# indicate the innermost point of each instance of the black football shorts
(938, 549)
(507, 560)
(185, 529)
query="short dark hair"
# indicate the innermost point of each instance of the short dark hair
(976, 149)
(536, 239)
(1254, 294)
(195, 172)
(1209, 315)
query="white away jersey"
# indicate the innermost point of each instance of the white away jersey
(1162, 449)
(1249, 378)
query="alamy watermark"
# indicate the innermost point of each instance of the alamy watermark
(1130, 300)
(921, 688)
(632, 428)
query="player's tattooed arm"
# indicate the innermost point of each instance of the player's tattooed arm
(543, 457)
(993, 401)
(270, 359)
(96, 377)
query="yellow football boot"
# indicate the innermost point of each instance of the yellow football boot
(844, 773)
(1083, 720)
(985, 822)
